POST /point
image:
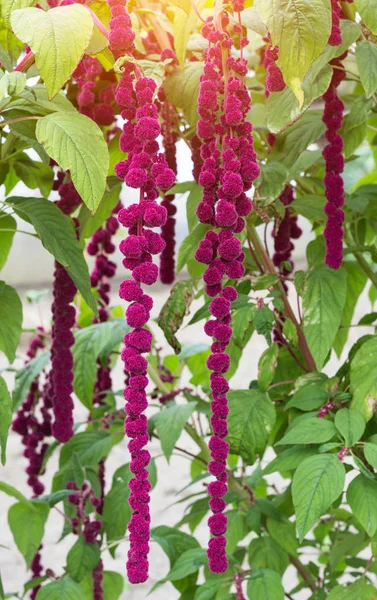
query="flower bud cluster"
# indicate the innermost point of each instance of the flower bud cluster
(274, 80)
(336, 35)
(169, 140)
(32, 428)
(101, 246)
(96, 94)
(228, 171)
(146, 169)
(82, 522)
(334, 163)
(285, 232)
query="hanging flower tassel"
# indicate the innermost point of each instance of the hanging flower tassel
(228, 170)
(336, 34)
(145, 169)
(274, 79)
(169, 140)
(334, 162)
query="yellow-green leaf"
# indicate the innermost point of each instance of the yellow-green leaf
(368, 13)
(182, 89)
(364, 379)
(184, 23)
(301, 29)
(8, 6)
(77, 144)
(57, 37)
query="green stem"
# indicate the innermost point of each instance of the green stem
(19, 119)
(366, 268)
(153, 374)
(270, 268)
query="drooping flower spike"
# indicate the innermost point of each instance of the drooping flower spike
(145, 169)
(334, 162)
(227, 173)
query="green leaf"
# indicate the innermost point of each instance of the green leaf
(54, 498)
(356, 282)
(35, 175)
(12, 491)
(266, 366)
(190, 244)
(264, 553)
(297, 138)
(208, 590)
(90, 446)
(236, 529)
(173, 542)
(27, 526)
(251, 419)
(93, 223)
(370, 453)
(59, 238)
(194, 197)
(364, 379)
(90, 343)
(265, 585)
(170, 423)
(291, 25)
(50, 34)
(6, 237)
(289, 459)
(317, 483)
(283, 108)
(174, 310)
(355, 126)
(82, 558)
(5, 418)
(61, 589)
(366, 58)
(25, 376)
(284, 534)
(359, 590)
(351, 425)
(116, 510)
(12, 84)
(113, 585)
(264, 320)
(368, 13)
(362, 498)
(10, 320)
(182, 89)
(311, 430)
(7, 6)
(308, 398)
(323, 302)
(311, 207)
(189, 562)
(271, 181)
(77, 144)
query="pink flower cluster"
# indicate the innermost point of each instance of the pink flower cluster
(96, 95)
(32, 429)
(228, 171)
(147, 170)
(286, 231)
(336, 35)
(101, 246)
(169, 140)
(121, 38)
(64, 316)
(274, 80)
(334, 162)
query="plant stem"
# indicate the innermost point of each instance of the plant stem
(366, 268)
(25, 63)
(303, 572)
(269, 267)
(5, 123)
(99, 24)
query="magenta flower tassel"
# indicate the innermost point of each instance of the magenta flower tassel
(228, 170)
